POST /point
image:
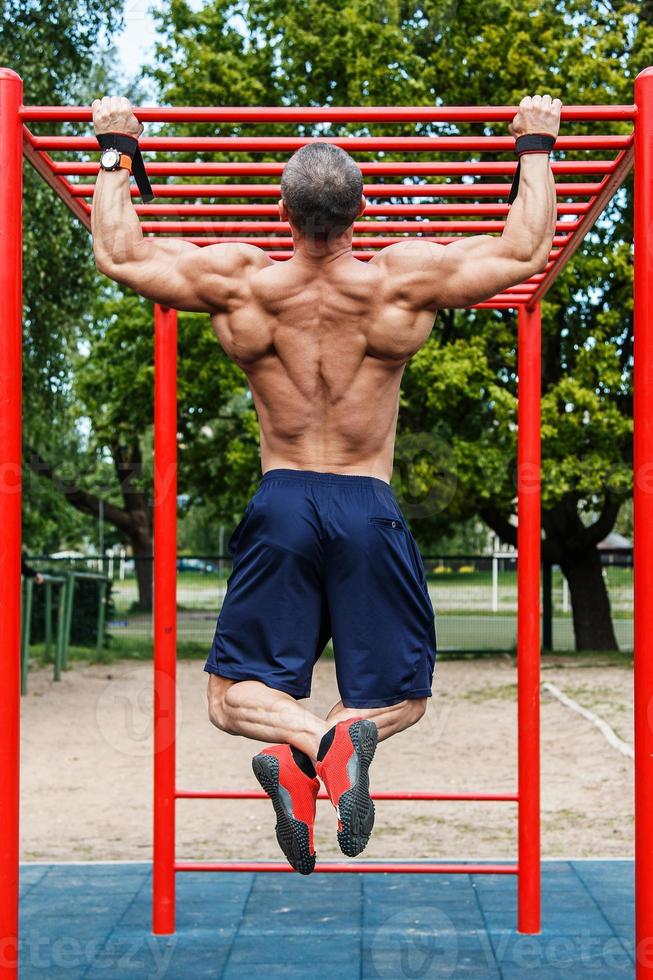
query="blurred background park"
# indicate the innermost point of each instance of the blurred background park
(88, 384)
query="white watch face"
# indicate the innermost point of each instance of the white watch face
(110, 159)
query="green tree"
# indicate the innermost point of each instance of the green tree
(54, 47)
(461, 389)
(113, 389)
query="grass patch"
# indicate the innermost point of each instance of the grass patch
(585, 693)
(140, 648)
(121, 648)
(129, 648)
(499, 692)
(587, 658)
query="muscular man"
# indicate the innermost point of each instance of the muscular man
(323, 550)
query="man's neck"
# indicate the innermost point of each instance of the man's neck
(317, 251)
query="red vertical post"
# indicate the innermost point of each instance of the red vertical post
(528, 616)
(11, 299)
(643, 514)
(165, 617)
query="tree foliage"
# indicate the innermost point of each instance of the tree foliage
(54, 47)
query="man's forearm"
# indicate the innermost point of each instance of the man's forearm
(116, 229)
(530, 224)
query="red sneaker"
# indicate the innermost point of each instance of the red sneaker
(293, 796)
(343, 770)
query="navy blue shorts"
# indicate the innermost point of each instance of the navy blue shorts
(319, 556)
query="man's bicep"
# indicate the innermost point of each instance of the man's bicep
(185, 276)
(475, 269)
(167, 272)
(457, 275)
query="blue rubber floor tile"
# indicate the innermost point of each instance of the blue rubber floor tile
(32, 873)
(275, 971)
(44, 930)
(92, 922)
(564, 928)
(218, 886)
(129, 953)
(48, 973)
(298, 947)
(561, 956)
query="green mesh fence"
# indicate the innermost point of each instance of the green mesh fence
(474, 597)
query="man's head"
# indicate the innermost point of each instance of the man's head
(321, 190)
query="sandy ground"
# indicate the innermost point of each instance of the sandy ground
(87, 774)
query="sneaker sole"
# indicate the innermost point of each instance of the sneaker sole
(292, 834)
(355, 807)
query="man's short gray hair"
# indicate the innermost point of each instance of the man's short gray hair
(321, 187)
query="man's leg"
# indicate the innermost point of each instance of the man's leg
(344, 760)
(255, 710)
(388, 720)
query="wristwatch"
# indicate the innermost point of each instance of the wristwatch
(121, 151)
(112, 159)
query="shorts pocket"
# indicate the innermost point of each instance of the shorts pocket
(390, 522)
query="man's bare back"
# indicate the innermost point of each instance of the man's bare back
(324, 347)
(324, 338)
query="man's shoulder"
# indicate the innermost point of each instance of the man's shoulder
(413, 253)
(409, 270)
(230, 258)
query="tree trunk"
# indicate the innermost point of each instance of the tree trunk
(573, 546)
(590, 602)
(133, 521)
(142, 549)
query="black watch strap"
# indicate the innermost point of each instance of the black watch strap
(529, 143)
(129, 145)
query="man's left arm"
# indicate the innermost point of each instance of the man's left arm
(169, 271)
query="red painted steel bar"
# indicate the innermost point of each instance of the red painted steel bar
(579, 188)
(360, 227)
(413, 169)
(494, 305)
(42, 164)
(11, 200)
(609, 186)
(340, 114)
(528, 617)
(247, 794)
(165, 617)
(368, 144)
(371, 211)
(521, 297)
(362, 867)
(643, 503)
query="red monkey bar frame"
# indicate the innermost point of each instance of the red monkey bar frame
(442, 209)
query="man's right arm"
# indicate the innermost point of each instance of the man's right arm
(169, 271)
(469, 271)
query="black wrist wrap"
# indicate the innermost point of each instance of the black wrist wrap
(529, 143)
(129, 146)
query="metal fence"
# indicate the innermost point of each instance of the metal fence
(474, 597)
